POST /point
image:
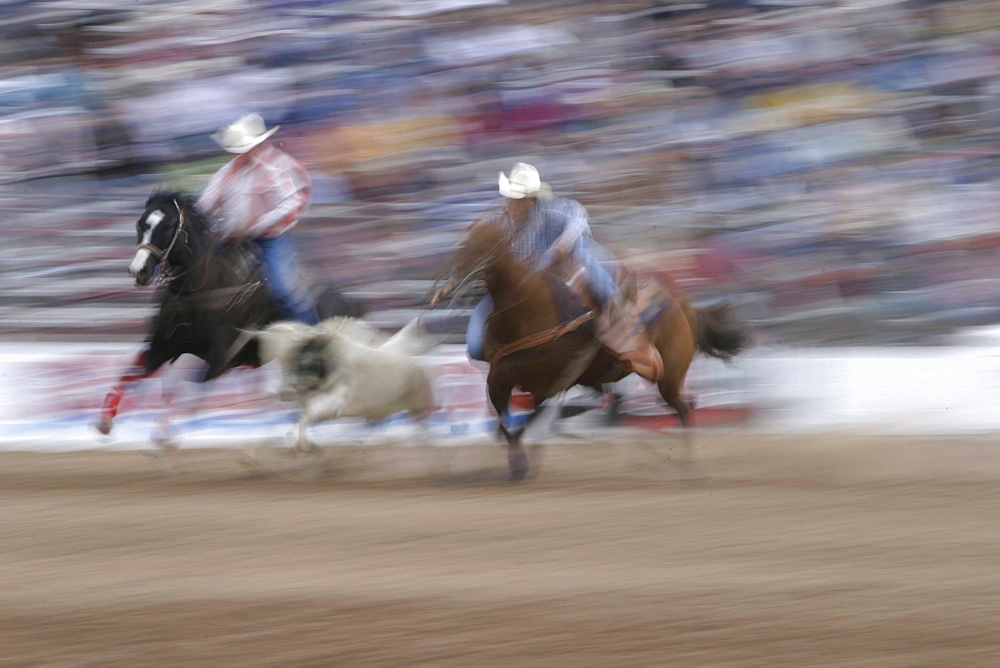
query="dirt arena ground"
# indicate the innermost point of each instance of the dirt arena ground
(811, 550)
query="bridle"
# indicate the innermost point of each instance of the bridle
(162, 255)
(487, 258)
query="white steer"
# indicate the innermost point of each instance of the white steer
(342, 368)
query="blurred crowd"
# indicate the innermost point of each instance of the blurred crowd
(833, 166)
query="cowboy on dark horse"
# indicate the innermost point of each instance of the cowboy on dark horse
(259, 196)
(213, 291)
(545, 230)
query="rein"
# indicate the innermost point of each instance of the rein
(538, 338)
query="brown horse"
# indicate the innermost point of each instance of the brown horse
(542, 334)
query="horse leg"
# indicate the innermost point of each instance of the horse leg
(162, 436)
(676, 365)
(544, 423)
(500, 399)
(671, 394)
(517, 460)
(544, 420)
(613, 395)
(138, 370)
(685, 466)
(171, 408)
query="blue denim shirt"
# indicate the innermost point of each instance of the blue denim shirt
(553, 221)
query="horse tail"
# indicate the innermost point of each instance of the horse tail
(720, 332)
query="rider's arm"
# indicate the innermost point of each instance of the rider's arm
(575, 223)
(211, 197)
(292, 190)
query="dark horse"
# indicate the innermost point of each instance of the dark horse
(211, 293)
(542, 337)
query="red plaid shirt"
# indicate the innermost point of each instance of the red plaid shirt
(260, 194)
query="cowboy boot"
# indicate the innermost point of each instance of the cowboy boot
(645, 361)
(620, 331)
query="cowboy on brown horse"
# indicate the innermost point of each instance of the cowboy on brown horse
(543, 231)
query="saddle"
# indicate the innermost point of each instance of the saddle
(622, 328)
(575, 307)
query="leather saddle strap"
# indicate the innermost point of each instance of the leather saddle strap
(538, 338)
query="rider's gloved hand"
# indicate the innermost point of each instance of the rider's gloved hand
(443, 290)
(556, 254)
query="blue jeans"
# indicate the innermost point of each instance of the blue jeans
(599, 280)
(277, 255)
(475, 333)
(600, 264)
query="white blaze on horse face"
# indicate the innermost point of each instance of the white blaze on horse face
(141, 255)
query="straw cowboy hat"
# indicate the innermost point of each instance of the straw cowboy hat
(244, 134)
(523, 182)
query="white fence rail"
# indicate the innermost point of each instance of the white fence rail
(51, 392)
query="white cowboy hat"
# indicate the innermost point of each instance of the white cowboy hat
(523, 182)
(244, 134)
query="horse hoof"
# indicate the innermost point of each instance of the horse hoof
(167, 446)
(519, 465)
(519, 475)
(103, 426)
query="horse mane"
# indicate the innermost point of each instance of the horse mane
(187, 202)
(473, 252)
(221, 264)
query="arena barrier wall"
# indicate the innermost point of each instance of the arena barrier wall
(52, 392)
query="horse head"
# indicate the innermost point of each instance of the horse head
(484, 244)
(161, 234)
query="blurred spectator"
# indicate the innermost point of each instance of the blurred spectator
(789, 135)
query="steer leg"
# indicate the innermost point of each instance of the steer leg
(439, 457)
(302, 441)
(328, 405)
